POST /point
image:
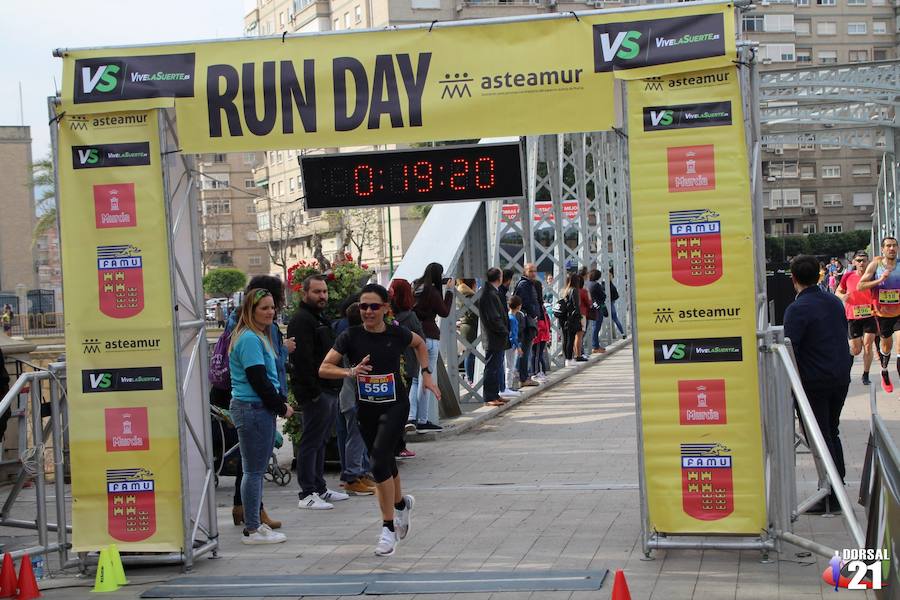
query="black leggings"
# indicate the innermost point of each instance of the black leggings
(381, 425)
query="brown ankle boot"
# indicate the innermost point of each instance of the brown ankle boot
(264, 518)
(237, 514)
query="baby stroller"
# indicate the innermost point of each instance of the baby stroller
(226, 453)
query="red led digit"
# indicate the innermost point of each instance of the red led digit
(459, 172)
(405, 178)
(422, 173)
(363, 180)
(485, 177)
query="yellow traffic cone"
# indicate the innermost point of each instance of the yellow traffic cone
(106, 580)
(117, 568)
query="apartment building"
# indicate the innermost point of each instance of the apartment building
(810, 187)
(228, 196)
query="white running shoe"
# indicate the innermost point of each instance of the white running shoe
(571, 363)
(402, 517)
(508, 393)
(387, 542)
(314, 502)
(263, 535)
(334, 496)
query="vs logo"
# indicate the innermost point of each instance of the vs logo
(103, 78)
(625, 45)
(100, 381)
(88, 156)
(673, 351)
(661, 118)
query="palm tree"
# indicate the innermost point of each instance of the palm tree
(45, 202)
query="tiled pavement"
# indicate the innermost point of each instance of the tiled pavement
(548, 484)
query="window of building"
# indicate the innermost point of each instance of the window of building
(807, 142)
(218, 233)
(809, 228)
(250, 158)
(831, 171)
(862, 198)
(826, 28)
(778, 52)
(807, 171)
(220, 158)
(290, 184)
(804, 56)
(832, 199)
(833, 227)
(281, 19)
(346, 20)
(262, 221)
(357, 13)
(826, 2)
(879, 27)
(808, 199)
(879, 2)
(220, 206)
(783, 170)
(862, 226)
(862, 170)
(791, 197)
(802, 3)
(251, 208)
(827, 56)
(221, 259)
(252, 236)
(280, 188)
(337, 24)
(859, 55)
(754, 23)
(857, 28)
(249, 183)
(856, 2)
(254, 260)
(214, 181)
(802, 27)
(779, 23)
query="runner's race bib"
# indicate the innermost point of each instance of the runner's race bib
(889, 296)
(376, 388)
(862, 311)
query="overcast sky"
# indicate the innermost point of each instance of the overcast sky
(31, 29)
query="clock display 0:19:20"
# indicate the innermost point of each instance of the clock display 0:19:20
(413, 176)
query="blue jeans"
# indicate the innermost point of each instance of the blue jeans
(422, 403)
(351, 448)
(255, 426)
(470, 366)
(493, 374)
(616, 321)
(318, 418)
(524, 362)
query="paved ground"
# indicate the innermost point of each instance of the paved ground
(549, 484)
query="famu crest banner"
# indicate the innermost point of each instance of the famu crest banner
(126, 476)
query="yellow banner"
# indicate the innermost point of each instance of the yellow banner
(375, 87)
(695, 298)
(123, 407)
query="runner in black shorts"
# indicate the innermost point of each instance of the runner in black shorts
(374, 349)
(862, 328)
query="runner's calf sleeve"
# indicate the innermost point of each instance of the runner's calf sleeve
(885, 359)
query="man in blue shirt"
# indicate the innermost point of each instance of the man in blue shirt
(816, 324)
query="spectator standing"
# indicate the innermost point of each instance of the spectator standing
(428, 306)
(531, 309)
(495, 326)
(516, 324)
(351, 448)
(220, 315)
(815, 323)
(401, 295)
(584, 305)
(613, 297)
(317, 397)
(6, 319)
(468, 324)
(222, 398)
(570, 317)
(505, 284)
(597, 297)
(255, 403)
(539, 364)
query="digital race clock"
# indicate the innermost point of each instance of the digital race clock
(427, 175)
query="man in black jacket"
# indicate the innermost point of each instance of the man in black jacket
(317, 398)
(495, 324)
(816, 325)
(531, 306)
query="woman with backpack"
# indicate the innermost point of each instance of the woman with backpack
(401, 296)
(220, 391)
(429, 305)
(256, 401)
(569, 315)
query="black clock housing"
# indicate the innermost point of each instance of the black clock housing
(426, 175)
